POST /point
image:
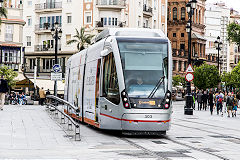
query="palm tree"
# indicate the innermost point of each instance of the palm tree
(81, 39)
(3, 13)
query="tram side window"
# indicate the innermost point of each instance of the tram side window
(110, 80)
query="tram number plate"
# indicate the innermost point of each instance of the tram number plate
(148, 116)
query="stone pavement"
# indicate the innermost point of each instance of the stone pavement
(29, 132)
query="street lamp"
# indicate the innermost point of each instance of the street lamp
(57, 34)
(218, 44)
(191, 5)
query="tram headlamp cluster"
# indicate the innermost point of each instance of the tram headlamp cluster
(126, 104)
(167, 100)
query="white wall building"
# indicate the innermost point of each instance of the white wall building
(95, 15)
(217, 18)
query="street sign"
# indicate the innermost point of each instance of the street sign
(56, 76)
(189, 77)
(189, 69)
(56, 68)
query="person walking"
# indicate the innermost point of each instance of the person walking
(204, 100)
(235, 106)
(230, 103)
(219, 103)
(3, 91)
(42, 96)
(199, 100)
(211, 101)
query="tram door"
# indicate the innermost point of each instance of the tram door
(110, 97)
(97, 90)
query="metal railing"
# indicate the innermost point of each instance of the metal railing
(45, 26)
(147, 8)
(111, 2)
(53, 5)
(112, 24)
(39, 48)
(40, 69)
(52, 106)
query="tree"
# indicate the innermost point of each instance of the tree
(3, 13)
(206, 76)
(179, 81)
(227, 78)
(8, 75)
(235, 76)
(233, 30)
(81, 39)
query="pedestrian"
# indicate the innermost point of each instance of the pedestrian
(3, 91)
(199, 100)
(219, 103)
(48, 93)
(22, 99)
(204, 100)
(211, 102)
(235, 106)
(230, 103)
(42, 96)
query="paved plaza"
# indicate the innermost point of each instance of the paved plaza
(30, 132)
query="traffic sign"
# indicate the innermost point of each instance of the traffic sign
(56, 76)
(56, 68)
(189, 69)
(189, 77)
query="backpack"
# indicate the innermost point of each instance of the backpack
(219, 99)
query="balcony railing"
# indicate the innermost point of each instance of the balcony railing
(112, 24)
(147, 9)
(45, 26)
(54, 5)
(47, 47)
(111, 2)
(179, 53)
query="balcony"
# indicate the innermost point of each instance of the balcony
(44, 28)
(180, 53)
(48, 7)
(147, 11)
(111, 4)
(102, 25)
(47, 48)
(41, 69)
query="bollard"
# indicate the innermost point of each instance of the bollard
(69, 125)
(77, 133)
(62, 119)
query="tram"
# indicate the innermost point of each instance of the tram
(123, 81)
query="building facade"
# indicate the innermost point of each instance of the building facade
(11, 42)
(177, 21)
(217, 18)
(94, 15)
(234, 57)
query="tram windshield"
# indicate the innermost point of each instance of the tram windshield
(144, 63)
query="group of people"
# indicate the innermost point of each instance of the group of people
(218, 100)
(16, 98)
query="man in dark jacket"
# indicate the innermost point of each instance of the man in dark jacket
(204, 100)
(3, 91)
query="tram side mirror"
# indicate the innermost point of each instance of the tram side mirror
(104, 52)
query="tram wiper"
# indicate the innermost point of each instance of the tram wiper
(160, 81)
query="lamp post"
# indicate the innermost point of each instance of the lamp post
(57, 34)
(218, 44)
(191, 5)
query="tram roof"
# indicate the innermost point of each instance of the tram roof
(134, 32)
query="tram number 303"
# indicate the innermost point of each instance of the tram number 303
(148, 116)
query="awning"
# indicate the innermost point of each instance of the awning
(24, 83)
(48, 84)
(20, 77)
(198, 36)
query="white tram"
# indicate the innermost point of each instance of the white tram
(123, 81)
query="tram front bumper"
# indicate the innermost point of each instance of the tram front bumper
(146, 122)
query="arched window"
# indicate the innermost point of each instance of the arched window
(174, 13)
(168, 14)
(183, 13)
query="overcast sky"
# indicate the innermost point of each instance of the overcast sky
(235, 4)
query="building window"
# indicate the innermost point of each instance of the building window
(69, 19)
(9, 33)
(182, 34)
(29, 43)
(174, 13)
(68, 37)
(174, 35)
(69, 0)
(174, 65)
(29, 21)
(168, 14)
(199, 17)
(155, 4)
(29, 3)
(88, 17)
(32, 63)
(179, 65)
(163, 10)
(183, 13)
(182, 46)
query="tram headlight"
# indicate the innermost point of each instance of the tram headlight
(167, 100)
(125, 99)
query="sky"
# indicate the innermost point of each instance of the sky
(235, 4)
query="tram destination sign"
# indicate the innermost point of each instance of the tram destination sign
(56, 76)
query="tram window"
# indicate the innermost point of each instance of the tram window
(110, 80)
